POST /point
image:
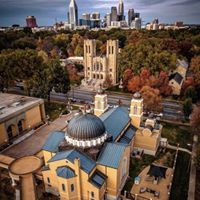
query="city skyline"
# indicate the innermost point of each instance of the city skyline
(15, 12)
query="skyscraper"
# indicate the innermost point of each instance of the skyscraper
(31, 22)
(121, 8)
(121, 16)
(108, 19)
(113, 13)
(73, 13)
(131, 16)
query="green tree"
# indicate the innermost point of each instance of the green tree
(187, 107)
(52, 77)
(191, 92)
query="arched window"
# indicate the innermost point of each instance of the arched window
(101, 67)
(97, 66)
(20, 126)
(10, 131)
(72, 187)
(63, 187)
(135, 110)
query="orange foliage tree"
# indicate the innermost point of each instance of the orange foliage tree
(152, 99)
(160, 82)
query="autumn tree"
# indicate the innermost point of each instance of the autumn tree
(127, 76)
(195, 119)
(195, 68)
(134, 84)
(152, 99)
(108, 82)
(73, 73)
(189, 82)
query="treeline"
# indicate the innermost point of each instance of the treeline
(39, 77)
(23, 54)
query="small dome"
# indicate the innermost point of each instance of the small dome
(85, 127)
(137, 95)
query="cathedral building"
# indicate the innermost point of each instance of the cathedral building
(91, 159)
(100, 68)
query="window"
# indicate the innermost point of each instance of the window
(135, 110)
(89, 49)
(72, 187)
(110, 70)
(48, 179)
(101, 76)
(63, 187)
(20, 126)
(101, 68)
(112, 50)
(92, 194)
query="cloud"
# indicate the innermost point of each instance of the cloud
(185, 3)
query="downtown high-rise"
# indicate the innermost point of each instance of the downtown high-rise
(73, 14)
(121, 11)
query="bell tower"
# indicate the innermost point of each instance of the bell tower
(136, 109)
(100, 103)
(112, 58)
(89, 55)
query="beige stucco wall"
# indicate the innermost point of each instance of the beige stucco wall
(33, 117)
(146, 140)
(3, 134)
(176, 88)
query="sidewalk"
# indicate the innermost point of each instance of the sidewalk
(192, 182)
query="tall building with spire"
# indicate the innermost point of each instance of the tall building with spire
(121, 11)
(73, 14)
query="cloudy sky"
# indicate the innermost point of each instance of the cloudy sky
(46, 11)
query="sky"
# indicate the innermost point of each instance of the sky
(48, 11)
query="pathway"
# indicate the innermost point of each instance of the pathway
(179, 148)
(192, 182)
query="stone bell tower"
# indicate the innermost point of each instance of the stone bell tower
(89, 55)
(112, 60)
(136, 109)
(100, 103)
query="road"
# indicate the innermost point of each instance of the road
(171, 110)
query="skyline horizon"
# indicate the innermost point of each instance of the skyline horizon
(44, 16)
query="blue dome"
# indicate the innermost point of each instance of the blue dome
(85, 127)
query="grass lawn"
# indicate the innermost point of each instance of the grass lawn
(178, 134)
(181, 177)
(53, 110)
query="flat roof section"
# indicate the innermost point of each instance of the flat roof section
(33, 144)
(11, 105)
(25, 165)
